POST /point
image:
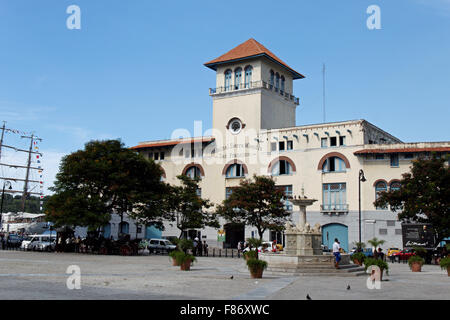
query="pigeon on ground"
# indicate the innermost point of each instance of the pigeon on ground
(231, 277)
(348, 287)
(308, 297)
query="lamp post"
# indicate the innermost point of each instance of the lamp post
(3, 196)
(361, 178)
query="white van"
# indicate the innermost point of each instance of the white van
(40, 242)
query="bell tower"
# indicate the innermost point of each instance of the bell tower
(254, 90)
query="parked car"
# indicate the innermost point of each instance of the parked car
(14, 240)
(45, 244)
(391, 251)
(39, 242)
(160, 245)
(367, 252)
(267, 247)
(404, 254)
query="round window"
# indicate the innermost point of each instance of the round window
(235, 126)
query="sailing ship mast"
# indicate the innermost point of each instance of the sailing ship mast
(28, 167)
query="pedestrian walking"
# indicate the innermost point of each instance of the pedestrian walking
(205, 248)
(239, 246)
(200, 248)
(194, 250)
(336, 253)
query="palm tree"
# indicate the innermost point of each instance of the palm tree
(375, 242)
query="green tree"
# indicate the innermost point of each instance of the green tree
(424, 195)
(102, 179)
(190, 211)
(258, 203)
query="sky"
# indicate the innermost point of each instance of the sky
(134, 70)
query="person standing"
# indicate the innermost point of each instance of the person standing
(336, 253)
(194, 250)
(200, 248)
(205, 248)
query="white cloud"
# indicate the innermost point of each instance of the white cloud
(15, 111)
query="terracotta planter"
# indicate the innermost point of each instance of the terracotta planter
(256, 273)
(186, 266)
(416, 267)
(174, 262)
(359, 263)
(448, 271)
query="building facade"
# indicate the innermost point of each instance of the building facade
(255, 132)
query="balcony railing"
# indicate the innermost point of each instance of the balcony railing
(337, 207)
(254, 85)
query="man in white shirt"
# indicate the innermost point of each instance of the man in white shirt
(337, 252)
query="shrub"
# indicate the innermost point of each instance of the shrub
(254, 242)
(445, 262)
(254, 264)
(185, 244)
(182, 257)
(415, 259)
(376, 262)
(251, 254)
(420, 251)
(359, 256)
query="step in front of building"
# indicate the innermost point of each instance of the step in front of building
(318, 269)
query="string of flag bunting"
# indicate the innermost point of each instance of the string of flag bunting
(39, 166)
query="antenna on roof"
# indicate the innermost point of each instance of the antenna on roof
(323, 75)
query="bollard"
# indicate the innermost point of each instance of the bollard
(226, 252)
(214, 251)
(232, 252)
(220, 253)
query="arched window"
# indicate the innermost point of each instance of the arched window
(272, 78)
(282, 84)
(193, 172)
(248, 76)
(379, 187)
(282, 167)
(237, 78)
(395, 186)
(235, 171)
(227, 80)
(333, 164)
(277, 81)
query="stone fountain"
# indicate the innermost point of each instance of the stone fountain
(303, 252)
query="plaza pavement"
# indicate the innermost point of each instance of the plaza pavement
(36, 275)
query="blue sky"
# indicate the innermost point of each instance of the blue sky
(135, 69)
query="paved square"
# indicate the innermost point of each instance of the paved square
(35, 275)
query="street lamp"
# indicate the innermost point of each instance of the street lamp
(361, 178)
(3, 196)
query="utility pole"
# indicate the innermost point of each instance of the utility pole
(323, 86)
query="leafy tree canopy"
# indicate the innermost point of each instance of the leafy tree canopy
(106, 178)
(424, 195)
(258, 203)
(190, 211)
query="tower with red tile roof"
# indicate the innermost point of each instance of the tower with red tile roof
(254, 90)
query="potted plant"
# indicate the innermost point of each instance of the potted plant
(375, 242)
(445, 264)
(173, 254)
(251, 254)
(256, 267)
(184, 260)
(415, 263)
(358, 258)
(377, 262)
(185, 245)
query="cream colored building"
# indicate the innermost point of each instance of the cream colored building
(254, 132)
